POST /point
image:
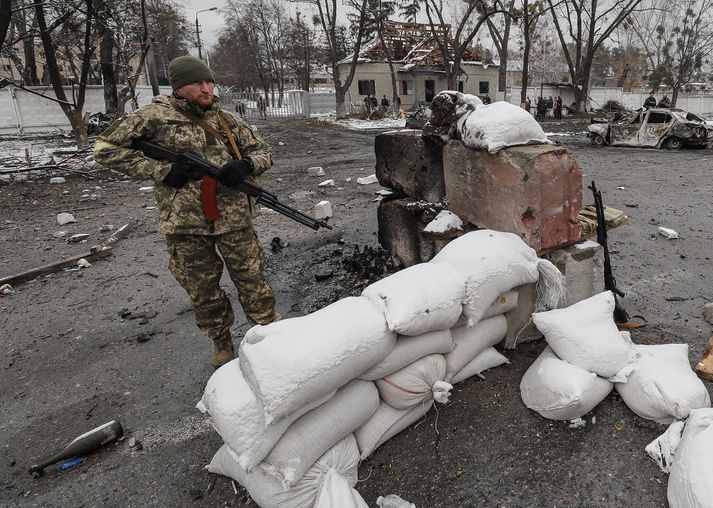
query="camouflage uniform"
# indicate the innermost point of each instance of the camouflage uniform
(192, 240)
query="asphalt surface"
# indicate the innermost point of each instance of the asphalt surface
(71, 362)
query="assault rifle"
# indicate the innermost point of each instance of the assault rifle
(207, 168)
(620, 315)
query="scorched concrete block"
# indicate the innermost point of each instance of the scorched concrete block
(406, 163)
(534, 191)
(583, 268)
(401, 223)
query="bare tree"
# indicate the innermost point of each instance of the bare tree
(500, 33)
(5, 16)
(378, 15)
(582, 27)
(648, 26)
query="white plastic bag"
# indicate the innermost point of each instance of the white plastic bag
(419, 299)
(317, 431)
(385, 424)
(661, 385)
(415, 383)
(498, 125)
(238, 416)
(663, 449)
(293, 362)
(337, 493)
(560, 391)
(690, 484)
(485, 360)
(408, 350)
(470, 342)
(267, 491)
(393, 501)
(585, 335)
(493, 263)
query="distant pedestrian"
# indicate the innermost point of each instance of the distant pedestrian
(665, 102)
(541, 109)
(384, 103)
(261, 106)
(650, 101)
(528, 105)
(558, 108)
(374, 102)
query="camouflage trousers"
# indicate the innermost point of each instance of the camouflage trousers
(196, 264)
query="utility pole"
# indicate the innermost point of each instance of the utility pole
(198, 31)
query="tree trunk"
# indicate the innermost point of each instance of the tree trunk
(29, 76)
(5, 17)
(340, 95)
(526, 63)
(106, 62)
(394, 89)
(674, 96)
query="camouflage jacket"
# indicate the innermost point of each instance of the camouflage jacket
(180, 210)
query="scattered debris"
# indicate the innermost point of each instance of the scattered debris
(195, 494)
(65, 218)
(105, 228)
(348, 179)
(621, 188)
(323, 276)
(315, 171)
(675, 298)
(146, 190)
(72, 462)
(57, 179)
(83, 263)
(143, 337)
(704, 368)
(367, 180)
(708, 312)
(667, 233)
(577, 423)
(80, 237)
(147, 313)
(59, 234)
(135, 444)
(96, 252)
(280, 143)
(322, 210)
(5, 289)
(393, 501)
(327, 183)
(278, 244)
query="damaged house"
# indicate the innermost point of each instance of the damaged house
(418, 65)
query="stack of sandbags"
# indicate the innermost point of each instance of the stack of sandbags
(587, 356)
(361, 370)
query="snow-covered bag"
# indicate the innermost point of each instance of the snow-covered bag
(267, 491)
(336, 492)
(385, 424)
(661, 385)
(445, 222)
(488, 359)
(663, 449)
(493, 263)
(585, 335)
(293, 362)
(393, 501)
(690, 484)
(315, 432)
(498, 125)
(470, 342)
(558, 390)
(238, 416)
(408, 350)
(415, 383)
(419, 299)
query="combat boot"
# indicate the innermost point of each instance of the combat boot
(222, 350)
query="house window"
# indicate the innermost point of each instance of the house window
(404, 87)
(367, 87)
(460, 86)
(484, 87)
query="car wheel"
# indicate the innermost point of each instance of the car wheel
(597, 140)
(674, 143)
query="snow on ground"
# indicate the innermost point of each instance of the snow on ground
(15, 151)
(359, 124)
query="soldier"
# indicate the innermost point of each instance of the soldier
(191, 119)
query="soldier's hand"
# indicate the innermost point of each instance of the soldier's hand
(235, 171)
(180, 173)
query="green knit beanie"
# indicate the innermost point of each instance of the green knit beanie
(187, 69)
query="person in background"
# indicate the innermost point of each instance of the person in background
(650, 101)
(665, 102)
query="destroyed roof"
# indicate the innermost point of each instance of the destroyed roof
(414, 45)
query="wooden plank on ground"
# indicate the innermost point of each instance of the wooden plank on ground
(94, 254)
(704, 369)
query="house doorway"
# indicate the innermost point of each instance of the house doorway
(430, 89)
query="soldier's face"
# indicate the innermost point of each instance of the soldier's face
(199, 93)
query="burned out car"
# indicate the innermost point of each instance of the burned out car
(653, 127)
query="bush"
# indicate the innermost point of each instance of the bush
(612, 105)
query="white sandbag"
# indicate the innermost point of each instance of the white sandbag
(393, 501)
(293, 362)
(493, 263)
(238, 416)
(661, 385)
(408, 350)
(488, 359)
(690, 484)
(414, 383)
(498, 125)
(470, 342)
(502, 304)
(385, 424)
(317, 431)
(419, 299)
(585, 335)
(267, 491)
(336, 492)
(560, 391)
(663, 449)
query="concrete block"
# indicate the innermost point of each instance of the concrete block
(315, 171)
(534, 191)
(520, 326)
(583, 268)
(401, 223)
(405, 162)
(322, 210)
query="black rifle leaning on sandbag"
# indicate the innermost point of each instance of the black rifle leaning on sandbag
(620, 315)
(207, 168)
